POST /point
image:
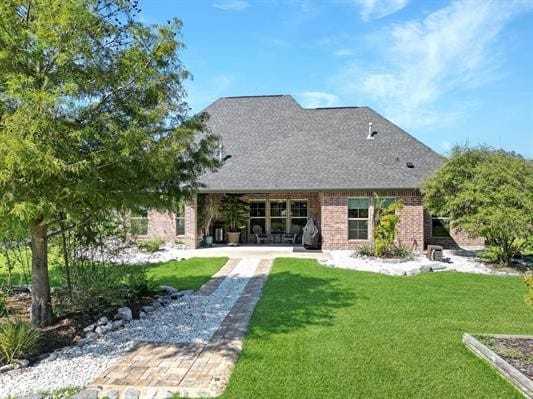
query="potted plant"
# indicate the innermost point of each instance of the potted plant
(235, 213)
(209, 211)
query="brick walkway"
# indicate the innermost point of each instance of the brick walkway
(156, 370)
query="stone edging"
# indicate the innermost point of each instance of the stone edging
(524, 384)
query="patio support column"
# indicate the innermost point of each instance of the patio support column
(191, 222)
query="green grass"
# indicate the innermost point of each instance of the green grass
(189, 274)
(319, 332)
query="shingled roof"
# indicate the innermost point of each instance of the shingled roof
(276, 145)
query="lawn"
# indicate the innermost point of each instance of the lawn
(319, 332)
(189, 274)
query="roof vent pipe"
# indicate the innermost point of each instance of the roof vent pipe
(220, 152)
(370, 135)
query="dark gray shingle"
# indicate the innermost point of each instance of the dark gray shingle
(276, 145)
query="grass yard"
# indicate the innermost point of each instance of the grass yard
(189, 274)
(319, 332)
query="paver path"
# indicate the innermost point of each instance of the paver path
(159, 370)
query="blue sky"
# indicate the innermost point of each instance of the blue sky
(448, 72)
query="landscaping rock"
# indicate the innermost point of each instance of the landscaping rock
(21, 364)
(142, 315)
(167, 289)
(32, 396)
(91, 335)
(102, 321)
(6, 368)
(186, 292)
(148, 309)
(131, 394)
(99, 330)
(114, 394)
(124, 313)
(175, 296)
(89, 328)
(117, 324)
(155, 304)
(43, 356)
(86, 394)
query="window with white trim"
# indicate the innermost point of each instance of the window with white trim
(258, 214)
(278, 216)
(298, 214)
(358, 218)
(180, 219)
(139, 223)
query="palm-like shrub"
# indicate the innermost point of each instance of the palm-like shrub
(17, 339)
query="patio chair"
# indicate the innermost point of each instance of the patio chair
(259, 235)
(291, 237)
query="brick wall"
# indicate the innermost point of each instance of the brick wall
(334, 219)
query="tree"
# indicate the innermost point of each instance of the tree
(486, 193)
(92, 117)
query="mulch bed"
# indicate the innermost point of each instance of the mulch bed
(518, 352)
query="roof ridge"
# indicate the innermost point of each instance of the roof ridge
(260, 96)
(344, 107)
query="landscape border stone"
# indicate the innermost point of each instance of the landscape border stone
(523, 383)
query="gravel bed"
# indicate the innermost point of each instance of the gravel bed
(191, 318)
(457, 260)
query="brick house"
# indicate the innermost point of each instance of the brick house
(291, 163)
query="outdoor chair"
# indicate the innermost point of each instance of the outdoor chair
(291, 237)
(259, 235)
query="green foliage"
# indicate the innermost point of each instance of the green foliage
(491, 254)
(386, 219)
(151, 245)
(365, 250)
(61, 393)
(100, 287)
(486, 193)
(17, 340)
(235, 211)
(209, 210)
(529, 282)
(93, 117)
(3, 306)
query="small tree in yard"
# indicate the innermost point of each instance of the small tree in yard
(92, 118)
(386, 219)
(486, 193)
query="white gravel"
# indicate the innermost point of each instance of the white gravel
(457, 260)
(191, 318)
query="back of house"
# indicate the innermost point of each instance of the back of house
(330, 164)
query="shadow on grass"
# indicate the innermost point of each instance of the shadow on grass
(292, 301)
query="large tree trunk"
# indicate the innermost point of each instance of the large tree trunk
(41, 303)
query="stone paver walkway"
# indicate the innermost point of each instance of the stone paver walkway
(155, 370)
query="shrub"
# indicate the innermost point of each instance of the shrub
(365, 250)
(17, 340)
(3, 306)
(491, 254)
(386, 219)
(151, 245)
(401, 252)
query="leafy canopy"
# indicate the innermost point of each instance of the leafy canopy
(487, 193)
(92, 111)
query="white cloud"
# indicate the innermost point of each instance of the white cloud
(317, 99)
(375, 9)
(451, 49)
(344, 52)
(231, 5)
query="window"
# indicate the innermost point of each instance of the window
(258, 215)
(440, 227)
(385, 202)
(139, 223)
(278, 216)
(358, 218)
(298, 213)
(180, 219)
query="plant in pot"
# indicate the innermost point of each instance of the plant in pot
(209, 211)
(235, 213)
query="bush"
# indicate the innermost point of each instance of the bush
(491, 254)
(151, 245)
(98, 288)
(386, 219)
(17, 340)
(365, 250)
(3, 306)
